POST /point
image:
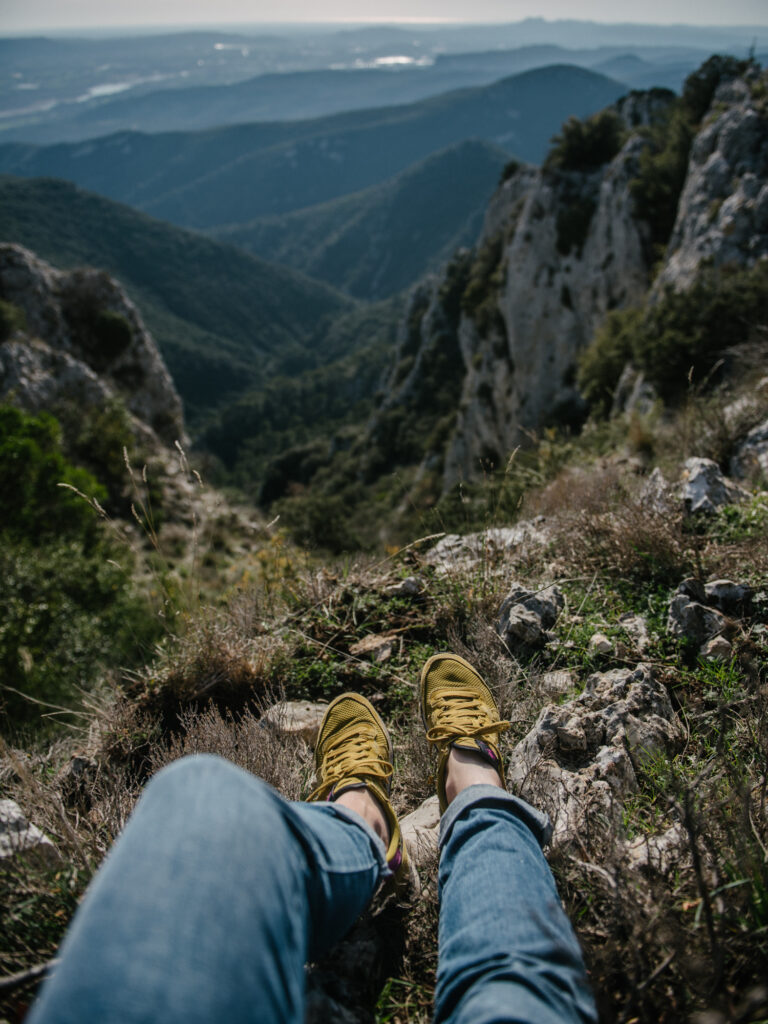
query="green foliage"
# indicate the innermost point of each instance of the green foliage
(586, 145)
(33, 506)
(680, 338)
(485, 281)
(318, 521)
(12, 319)
(700, 86)
(66, 617)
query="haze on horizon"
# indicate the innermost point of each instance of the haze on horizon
(40, 15)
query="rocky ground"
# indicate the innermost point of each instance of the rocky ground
(629, 653)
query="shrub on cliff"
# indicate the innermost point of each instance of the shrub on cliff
(588, 144)
(679, 338)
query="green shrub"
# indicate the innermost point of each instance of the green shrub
(65, 618)
(32, 504)
(587, 145)
(12, 319)
(679, 338)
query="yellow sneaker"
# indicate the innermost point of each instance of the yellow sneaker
(354, 751)
(459, 710)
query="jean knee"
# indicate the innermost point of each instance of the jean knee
(200, 777)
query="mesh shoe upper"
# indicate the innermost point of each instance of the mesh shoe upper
(459, 710)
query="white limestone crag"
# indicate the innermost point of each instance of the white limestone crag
(578, 761)
(722, 216)
(84, 343)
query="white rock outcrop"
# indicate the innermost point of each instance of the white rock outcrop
(722, 216)
(84, 343)
(18, 837)
(578, 761)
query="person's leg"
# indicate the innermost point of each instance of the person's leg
(507, 952)
(212, 900)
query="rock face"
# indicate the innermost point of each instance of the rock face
(20, 838)
(498, 334)
(526, 615)
(84, 343)
(557, 283)
(578, 762)
(722, 216)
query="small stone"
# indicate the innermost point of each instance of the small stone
(637, 628)
(600, 644)
(300, 718)
(19, 837)
(696, 622)
(705, 488)
(556, 683)
(525, 615)
(728, 596)
(717, 649)
(411, 586)
(379, 647)
(420, 830)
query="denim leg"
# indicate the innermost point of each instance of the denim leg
(210, 903)
(508, 954)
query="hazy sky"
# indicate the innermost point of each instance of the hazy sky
(16, 15)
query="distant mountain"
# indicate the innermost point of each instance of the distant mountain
(306, 94)
(377, 242)
(233, 175)
(221, 317)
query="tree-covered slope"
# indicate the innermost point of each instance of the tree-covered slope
(219, 315)
(232, 175)
(379, 241)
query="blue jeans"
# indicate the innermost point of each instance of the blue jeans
(219, 891)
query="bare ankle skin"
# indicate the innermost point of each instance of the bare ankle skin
(465, 768)
(369, 808)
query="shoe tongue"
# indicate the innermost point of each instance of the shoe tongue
(485, 750)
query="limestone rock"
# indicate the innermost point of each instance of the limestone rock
(637, 628)
(731, 598)
(411, 586)
(659, 854)
(694, 621)
(578, 761)
(717, 649)
(751, 455)
(420, 830)
(600, 644)
(557, 682)
(85, 344)
(722, 216)
(704, 488)
(633, 393)
(300, 718)
(379, 648)
(455, 551)
(18, 837)
(525, 615)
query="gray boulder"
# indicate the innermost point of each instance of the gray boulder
(578, 761)
(18, 837)
(704, 488)
(694, 621)
(526, 615)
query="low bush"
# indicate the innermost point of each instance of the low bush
(586, 145)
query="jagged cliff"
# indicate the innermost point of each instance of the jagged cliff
(562, 246)
(81, 342)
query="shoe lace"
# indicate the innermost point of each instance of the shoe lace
(454, 713)
(352, 753)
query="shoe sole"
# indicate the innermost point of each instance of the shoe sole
(375, 715)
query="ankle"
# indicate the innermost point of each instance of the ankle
(467, 768)
(364, 803)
